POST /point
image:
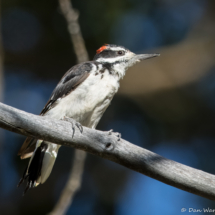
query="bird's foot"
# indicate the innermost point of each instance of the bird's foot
(118, 135)
(74, 123)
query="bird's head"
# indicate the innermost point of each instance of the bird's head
(118, 57)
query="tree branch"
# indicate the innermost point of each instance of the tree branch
(73, 184)
(107, 146)
(71, 15)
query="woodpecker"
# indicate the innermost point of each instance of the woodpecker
(81, 97)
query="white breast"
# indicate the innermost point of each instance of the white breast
(88, 101)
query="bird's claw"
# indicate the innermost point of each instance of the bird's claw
(118, 135)
(110, 132)
(79, 126)
(74, 123)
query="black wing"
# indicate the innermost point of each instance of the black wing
(69, 82)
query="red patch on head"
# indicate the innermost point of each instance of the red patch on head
(101, 49)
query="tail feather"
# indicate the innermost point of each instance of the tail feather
(23, 177)
(40, 165)
(29, 151)
(49, 160)
(33, 170)
(28, 143)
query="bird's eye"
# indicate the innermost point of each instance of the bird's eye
(120, 52)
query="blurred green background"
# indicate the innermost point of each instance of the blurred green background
(165, 104)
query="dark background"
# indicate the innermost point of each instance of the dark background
(165, 104)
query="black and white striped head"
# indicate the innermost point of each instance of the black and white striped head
(118, 57)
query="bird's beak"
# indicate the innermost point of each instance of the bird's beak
(140, 57)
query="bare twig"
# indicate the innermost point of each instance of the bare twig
(75, 178)
(107, 146)
(73, 184)
(71, 16)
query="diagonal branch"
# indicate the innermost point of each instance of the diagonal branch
(107, 146)
(71, 16)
